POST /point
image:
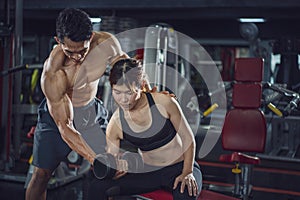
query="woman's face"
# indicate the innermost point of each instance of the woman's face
(125, 97)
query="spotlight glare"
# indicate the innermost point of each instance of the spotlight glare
(253, 20)
(95, 19)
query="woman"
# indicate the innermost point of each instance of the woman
(155, 124)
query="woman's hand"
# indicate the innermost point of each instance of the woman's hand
(122, 168)
(189, 181)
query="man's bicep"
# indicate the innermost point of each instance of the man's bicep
(57, 100)
(54, 85)
(61, 111)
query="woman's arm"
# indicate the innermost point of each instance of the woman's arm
(185, 132)
(113, 136)
(188, 146)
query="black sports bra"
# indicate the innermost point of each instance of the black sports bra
(158, 134)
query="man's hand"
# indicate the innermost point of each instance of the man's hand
(154, 89)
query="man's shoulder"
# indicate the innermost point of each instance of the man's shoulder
(55, 61)
(101, 36)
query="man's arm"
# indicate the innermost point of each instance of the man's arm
(54, 85)
(115, 52)
(105, 52)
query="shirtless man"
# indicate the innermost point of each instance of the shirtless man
(70, 117)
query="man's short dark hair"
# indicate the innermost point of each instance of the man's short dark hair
(74, 24)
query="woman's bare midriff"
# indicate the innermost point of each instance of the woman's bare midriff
(168, 154)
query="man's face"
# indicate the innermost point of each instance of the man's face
(76, 51)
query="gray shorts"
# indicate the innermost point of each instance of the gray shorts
(49, 149)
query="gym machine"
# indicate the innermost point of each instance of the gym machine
(283, 99)
(11, 141)
(165, 61)
(280, 95)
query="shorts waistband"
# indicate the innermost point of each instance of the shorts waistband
(44, 106)
(87, 106)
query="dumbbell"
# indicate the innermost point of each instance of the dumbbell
(134, 160)
(105, 165)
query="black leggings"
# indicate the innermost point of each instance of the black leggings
(138, 183)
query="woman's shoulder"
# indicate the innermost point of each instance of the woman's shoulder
(163, 99)
(115, 115)
(115, 118)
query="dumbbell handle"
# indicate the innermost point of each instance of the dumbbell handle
(134, 161)
(106, 165)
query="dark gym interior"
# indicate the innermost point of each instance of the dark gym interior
(271, 41)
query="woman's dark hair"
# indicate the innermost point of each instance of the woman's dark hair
(74, 24)
(126, 71)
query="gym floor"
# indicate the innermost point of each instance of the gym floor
(271, 180)
(279, 183)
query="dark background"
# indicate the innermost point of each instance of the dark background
(196, 18)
